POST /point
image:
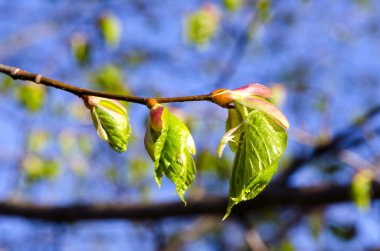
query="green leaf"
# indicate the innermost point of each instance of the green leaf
(172, 152)
(111, 122)
(361, 188)
(261, 144)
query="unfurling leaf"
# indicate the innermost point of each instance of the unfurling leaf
(111, 121)
(251, 96)
(170, 145)
(260, 146)
(361, 188)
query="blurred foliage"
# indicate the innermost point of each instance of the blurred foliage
(138, 169)
(37, 141)
(31, 96)
(278, 94)
(109, 78)
(361, 188)
(315, 224)
(286, 245)
(36, 168)
(6, 84)
(80, 48)
(71, 143)
(207, 161)
(110, 29)
(233, 5)
(202, 25)
(263, 8)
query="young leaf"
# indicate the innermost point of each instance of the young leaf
(171, 149)
(110, 120)
(231, 135)
(261, 145)
(234, 119)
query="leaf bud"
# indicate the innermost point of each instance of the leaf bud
(111, 121)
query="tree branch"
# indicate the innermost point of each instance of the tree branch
(304, 198)
(17, 73)
(344, 139)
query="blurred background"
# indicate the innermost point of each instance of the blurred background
(320, 59)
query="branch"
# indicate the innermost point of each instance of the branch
(304, 198)
(345, 139)
(17, 73)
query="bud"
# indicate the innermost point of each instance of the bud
(111, 121)
(222, 97)
(155, 117)
(252, 96)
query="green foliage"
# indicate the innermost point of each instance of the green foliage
(233, 5)
(6, 84)
(263, 9)
(361, 188)
(202, 25)
(31, 96)
(261, 144)
(171, 150)
(110, 29)
(37, 168)
(208, 162)
(37, 141)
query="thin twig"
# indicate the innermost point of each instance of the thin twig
(17, 73)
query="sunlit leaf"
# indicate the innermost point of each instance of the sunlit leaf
(111, 121)
(261, 145)
(234, 119)
(171, 148)
(231, 135)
